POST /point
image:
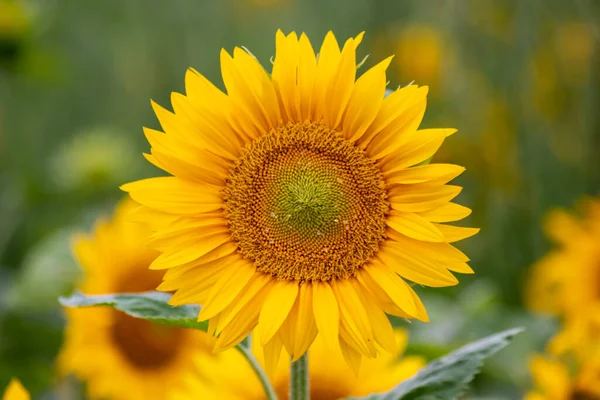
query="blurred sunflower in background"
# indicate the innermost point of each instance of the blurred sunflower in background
(559, 379)
(567, 279)
(297, 203)
(14, 27)
(15, 391)
(330, 377)
(121, 357)
(420, 52)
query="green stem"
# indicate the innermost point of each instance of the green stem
(299, 381)
(246, 349)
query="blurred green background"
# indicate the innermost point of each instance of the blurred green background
(519, 79)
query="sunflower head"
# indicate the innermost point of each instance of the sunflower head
(133, 358)
(567, 279)
(297, 203)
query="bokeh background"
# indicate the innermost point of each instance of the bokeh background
(519, 79)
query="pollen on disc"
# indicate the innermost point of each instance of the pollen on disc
(304, 204)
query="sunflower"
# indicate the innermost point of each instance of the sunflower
(330, 377)
(567, 279)
(297, 203)
(15, 391)
(120, 357)
(555, 380)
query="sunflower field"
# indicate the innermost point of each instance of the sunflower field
(300, 199)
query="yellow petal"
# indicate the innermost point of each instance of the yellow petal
(441, 173)
(272, 353)
(418, 147)
(307, 67)
(217, 253)
(414, 226)
(197, 285)
(242, 324)
(306, 328)
(352, 357)
(257, 283)
(226, 289)
(354, 317)
(287, 332)
(447, 213)
(173, 195)
(208, 133)
(462, 268)
(260, 85)
(241, 94)
(421, 311)
(365, 102)
(391, 107)
(181, 150)
(419, 197)
(342, 83)
(393, 286)
(399, 131)
(193, 251)
(444, 252)
(327, 63)
(211, 103)
(284, 75)
(382, 329)
(181, 169)
(178, 238)
(456, 233)
(382, 299)
(327, 313)
(277, 306)
(192, 278)
(414, 267)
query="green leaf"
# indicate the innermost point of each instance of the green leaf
(448, 377)
(151, 306)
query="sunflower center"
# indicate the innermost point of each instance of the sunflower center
(145, 345)
(304, 204)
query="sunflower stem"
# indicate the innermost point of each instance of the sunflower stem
(246, 349)
(299, 381)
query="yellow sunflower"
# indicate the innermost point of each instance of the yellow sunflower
(330, 377)
(15, 391)
(297, 204)
(120, 357)
(555, 380)
(567, 279)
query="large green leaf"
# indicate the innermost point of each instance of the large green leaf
(448, 377)
(151, 306)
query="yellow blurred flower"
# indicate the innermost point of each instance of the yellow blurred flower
(120, 357)
(579, 336)
(419, 54)
(15, 391)
(555, 380)
(95, 159)
(14, 21)
(567, 279)
(574, 46)
(330, 377)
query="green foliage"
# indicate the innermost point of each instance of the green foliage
(448, 377)
(151, 306)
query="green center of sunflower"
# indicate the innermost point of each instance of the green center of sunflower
(304, 204)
